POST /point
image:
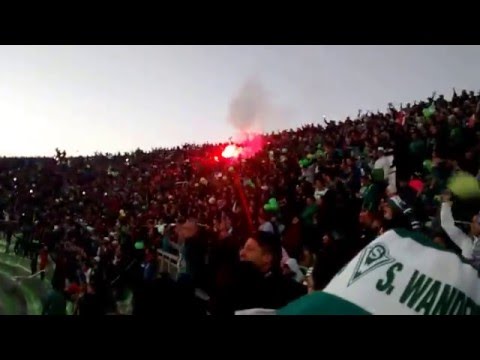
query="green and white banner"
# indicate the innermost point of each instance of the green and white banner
(400, 273)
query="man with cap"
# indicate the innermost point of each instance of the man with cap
(398, 214)
(259, 281)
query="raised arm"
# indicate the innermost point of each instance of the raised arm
(462, 240)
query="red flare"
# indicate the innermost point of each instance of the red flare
(252, 144)
(231, 151)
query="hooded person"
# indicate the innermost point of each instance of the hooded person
(397, 214)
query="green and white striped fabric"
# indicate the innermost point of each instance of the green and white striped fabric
(400, 273)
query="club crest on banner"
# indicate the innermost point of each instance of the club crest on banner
(371, 258)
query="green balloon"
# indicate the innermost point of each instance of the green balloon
(267, 207)
(464, 185)
(272, 205)
(305, 162)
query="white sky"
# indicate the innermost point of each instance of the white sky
(111, 98)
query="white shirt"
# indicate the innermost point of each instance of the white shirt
(309, 174)
(88, 275)
(470, 247)
(256, 311)
(267, 227)
(319, 193)
(383, 163)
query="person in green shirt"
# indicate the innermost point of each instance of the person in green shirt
(370, 194)
(417, 149)
(456, 135)
(417, 146)
(309, 212)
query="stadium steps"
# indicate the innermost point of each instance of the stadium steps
(19, 292)
(23, 294)
(16, 278)
(34, 289)
(12, 299)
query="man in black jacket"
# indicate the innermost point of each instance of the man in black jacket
(259, 282)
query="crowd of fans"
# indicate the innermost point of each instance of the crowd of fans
(311, 198)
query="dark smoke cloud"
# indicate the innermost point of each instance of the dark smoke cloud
(251, 108)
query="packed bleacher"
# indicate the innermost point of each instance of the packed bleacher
(252, 231)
